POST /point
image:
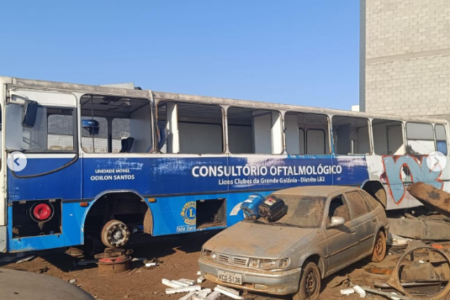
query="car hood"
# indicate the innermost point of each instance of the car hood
(257, 240)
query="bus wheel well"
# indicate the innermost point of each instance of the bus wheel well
(127, 207)
(376, 190)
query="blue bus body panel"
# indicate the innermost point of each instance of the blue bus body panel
(176, 183)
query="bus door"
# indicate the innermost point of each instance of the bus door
(44, 172)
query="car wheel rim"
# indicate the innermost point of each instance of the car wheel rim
(379, 247)
(311, 283)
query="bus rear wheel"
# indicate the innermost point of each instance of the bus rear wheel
(115, 234)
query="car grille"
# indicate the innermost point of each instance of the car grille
(227, 259)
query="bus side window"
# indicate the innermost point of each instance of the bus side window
(420, 138)
(254, 131)
(441, 140)
(113, 124)
(60, 134)
(306, 133)
(388, 137)
(190, 128)
(351, 135)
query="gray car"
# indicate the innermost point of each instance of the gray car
(325, 229)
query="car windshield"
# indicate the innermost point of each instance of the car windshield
(303, 211)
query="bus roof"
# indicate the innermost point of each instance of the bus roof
(159, 96)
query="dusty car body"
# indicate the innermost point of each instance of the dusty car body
(326, 227)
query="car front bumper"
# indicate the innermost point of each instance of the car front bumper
(275, 283)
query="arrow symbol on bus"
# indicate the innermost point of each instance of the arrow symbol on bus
(16, 162)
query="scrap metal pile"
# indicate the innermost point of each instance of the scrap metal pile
(418, 266)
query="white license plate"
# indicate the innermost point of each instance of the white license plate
(230, 277)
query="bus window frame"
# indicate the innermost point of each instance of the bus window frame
(435, 137)
(106, 116)
(305, 130)
(403, 128)
(75, 133)
(282, 133)
(222, 125)
(369, 132)
(406, 135)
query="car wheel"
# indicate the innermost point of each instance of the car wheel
(379, 249)
(309, 288)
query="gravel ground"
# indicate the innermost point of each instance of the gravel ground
(179, 256)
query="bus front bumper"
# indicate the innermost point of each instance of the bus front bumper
(275, 283)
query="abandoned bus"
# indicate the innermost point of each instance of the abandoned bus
(104, 162)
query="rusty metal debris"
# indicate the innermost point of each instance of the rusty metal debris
(113, 261)
(431, 197)
(423, 228)
(409, 270)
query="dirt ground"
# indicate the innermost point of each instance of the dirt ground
(179, 256)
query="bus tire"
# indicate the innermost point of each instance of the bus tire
(115, 234)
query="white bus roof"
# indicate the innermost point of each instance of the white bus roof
(160, 96)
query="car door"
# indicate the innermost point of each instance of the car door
(364, 220)
(341, 240)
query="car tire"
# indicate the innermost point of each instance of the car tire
(379, 248)
(310, 283)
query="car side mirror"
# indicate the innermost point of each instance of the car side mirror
(336, 221)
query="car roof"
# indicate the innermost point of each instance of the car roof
(316, 190)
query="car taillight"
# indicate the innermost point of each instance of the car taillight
(42, 211)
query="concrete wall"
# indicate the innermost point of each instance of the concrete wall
(405, 45)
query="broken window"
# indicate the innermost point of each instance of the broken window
(190, 128)
(357, 203)
(60, 131)
(351, 135)
(254, 131)
(441, 139)
(315, 141)
(113, 124)
(420, 138)
(338, 208)
(388, 137)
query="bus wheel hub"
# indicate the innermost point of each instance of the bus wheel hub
(115, 234)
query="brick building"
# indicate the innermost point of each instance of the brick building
(405, 57)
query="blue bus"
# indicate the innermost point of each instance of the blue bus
(101, 162)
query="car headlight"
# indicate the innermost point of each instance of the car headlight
(284, 263)
(269, 264)
(206, 253)
(273, 264)
(213, 255)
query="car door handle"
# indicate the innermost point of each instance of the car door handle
(374, 220)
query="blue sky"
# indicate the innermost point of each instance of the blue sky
(296, 52)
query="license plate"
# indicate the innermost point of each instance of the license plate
(230, 277)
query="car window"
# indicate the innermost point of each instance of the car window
(371, 201)
(338, 208)
(357, 203)
(302, 211)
